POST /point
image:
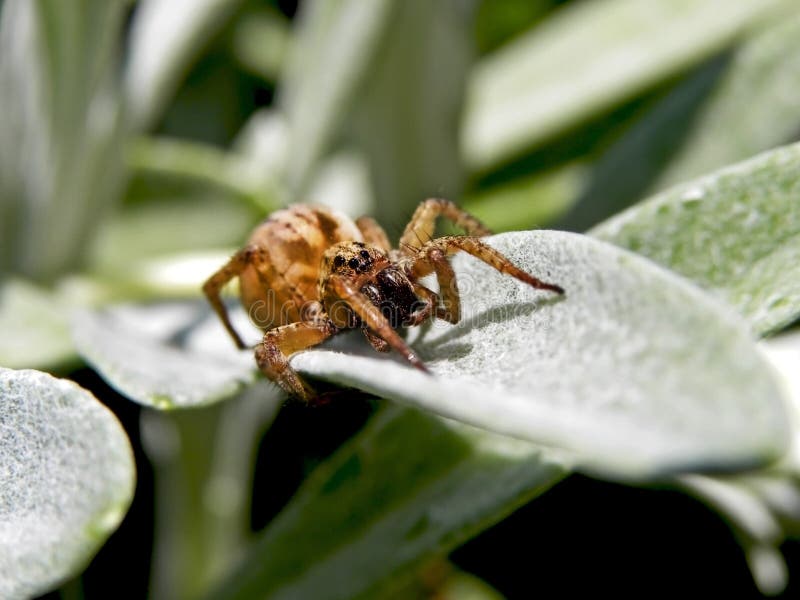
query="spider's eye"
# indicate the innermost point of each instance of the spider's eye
(364, 254)
(338, 261)
(353, 263)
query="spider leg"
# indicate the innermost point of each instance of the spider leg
(272, 354)
(420, 228)
(377, 342)
(250, 255)
(373, 233)
(448, 245)
(372, 317)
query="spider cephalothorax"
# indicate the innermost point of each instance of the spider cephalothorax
(310, 272)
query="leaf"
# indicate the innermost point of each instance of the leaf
(66, 480)
(407, 487)
(609, 371)
(34, 326)
(728, 111)
(60, 160)
(734, 232)
(165, 38)
(333, 45)
(167, 355)
(520, 97)
(260, 42)
(405, 119)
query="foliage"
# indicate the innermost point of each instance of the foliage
(134, 159)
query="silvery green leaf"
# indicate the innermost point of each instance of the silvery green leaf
(608, 371)
(35, 327)
(405, 118)
(66, 480)
(731, 109)
(165, 355)
(333, 45)
(735, 232)
(585, 59)
(60, 160)
(166, 36)
(409, 487)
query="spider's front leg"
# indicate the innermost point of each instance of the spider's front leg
(272, 354)
(421, 226)
(432, 257)
(347, 291)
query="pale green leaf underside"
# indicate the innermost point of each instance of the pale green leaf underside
(34, 326)
(168, 355)
(66, 480)
(612, 49)
(736, 232)
(635, 370)
(407, 487)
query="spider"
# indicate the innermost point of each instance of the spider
(309, 273)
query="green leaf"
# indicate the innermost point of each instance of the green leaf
(728, 111)
(66, 480)
(260, 42)
(333, 46)
(168, 355)
(60, 162)
(407, 487)
(35, 327)
(519, 96)
(165, 38)
(750, 110)
(405, 119)
(734, 232)
(608, 371)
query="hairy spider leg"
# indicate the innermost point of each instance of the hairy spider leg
(420, 228)
(272, 354)
(423, 265)
(372, 317)
(373, 233)
(247, 256)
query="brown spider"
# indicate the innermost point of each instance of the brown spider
(308, 273)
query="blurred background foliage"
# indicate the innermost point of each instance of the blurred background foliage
(140, 141)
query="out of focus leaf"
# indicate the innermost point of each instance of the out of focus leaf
(608, 371)
(735, 232)
(35, 327)
(260, 42)
(166, 36)
(728, 111)
(60, 162)
(66, 480)
(168, 355)
(334, 43)
(519, 96)
(406, 117)
(407, 487)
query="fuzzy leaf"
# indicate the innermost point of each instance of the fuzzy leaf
(735, 232)
(407, 487)
(609, 371)
(66, 480)
(334, 43)
(166, 36)
(169, 355)
(519, 96)
(34, 326)
(731, 109)
(60, 159)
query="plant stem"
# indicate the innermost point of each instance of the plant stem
(203, 463)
